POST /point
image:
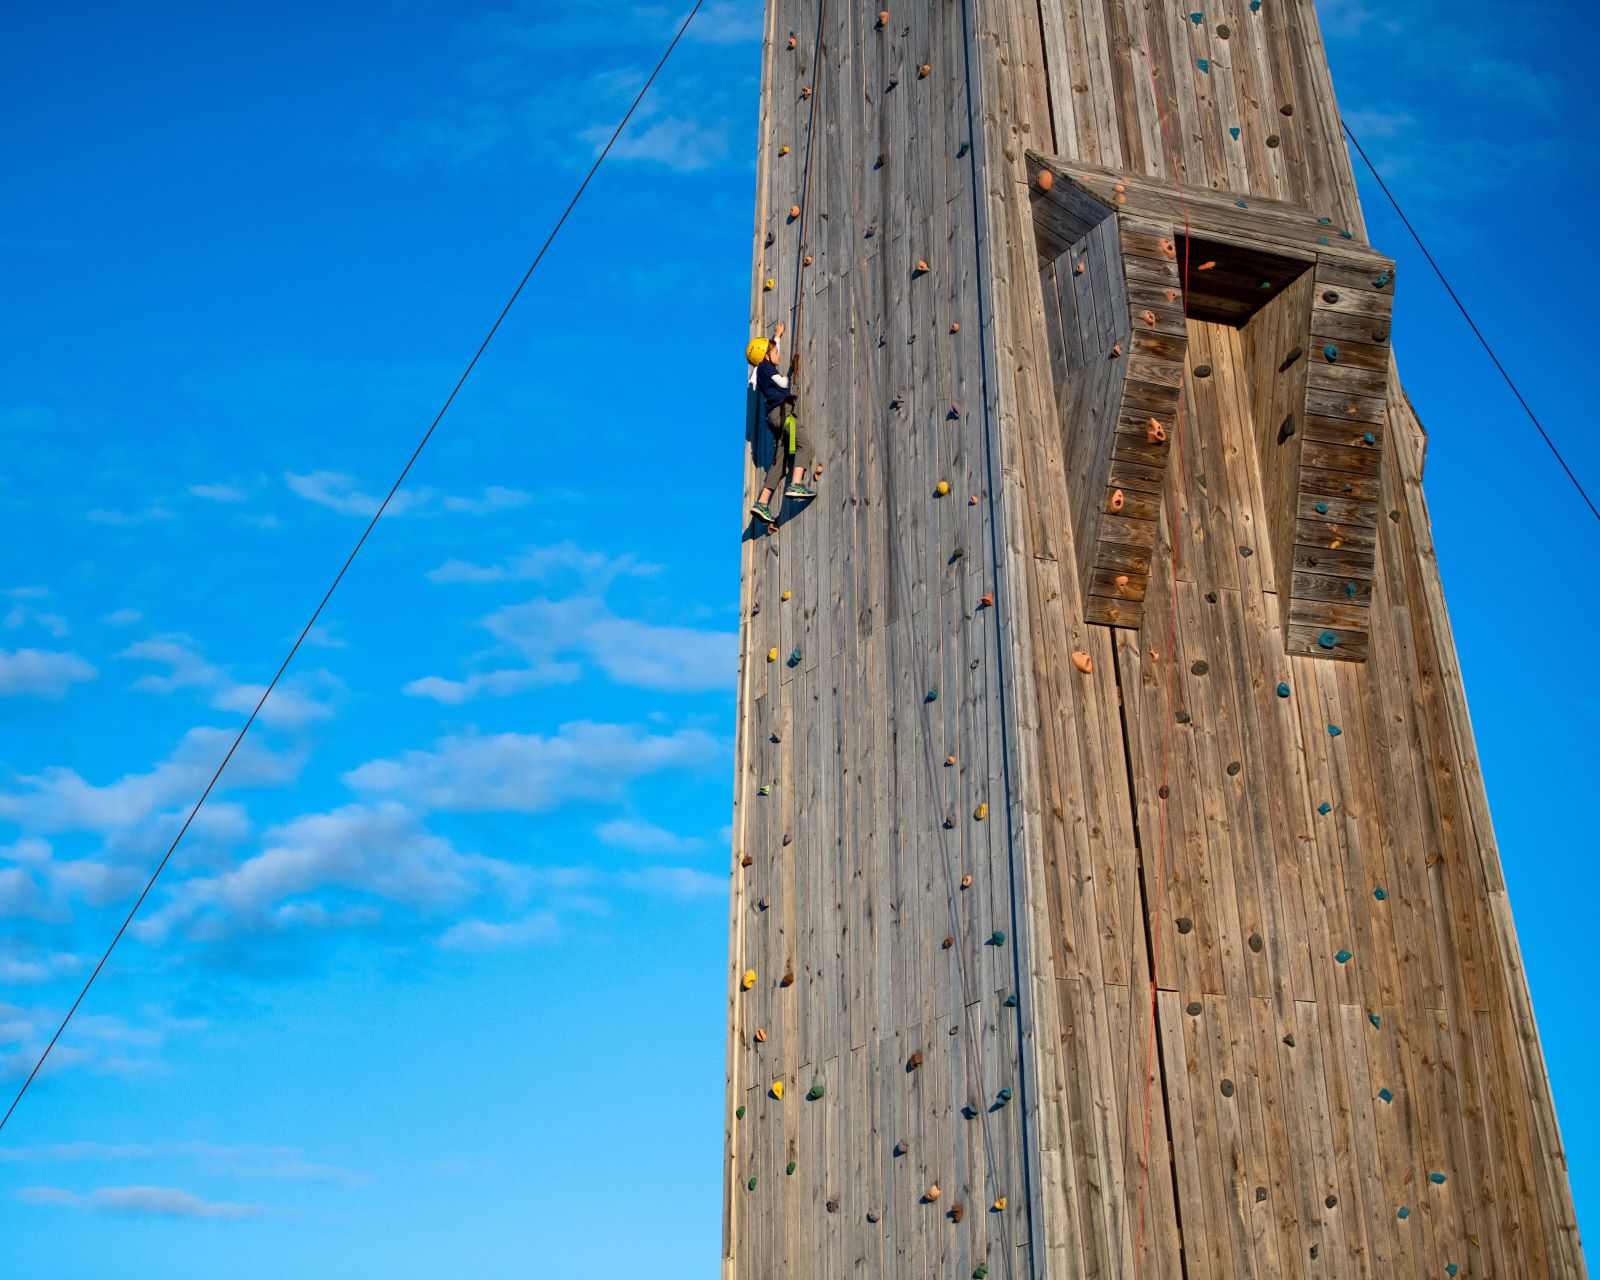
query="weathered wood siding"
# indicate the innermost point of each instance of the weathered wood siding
(1339, 1006)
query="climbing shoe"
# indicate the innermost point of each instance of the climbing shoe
(761, 512)
(799, 491)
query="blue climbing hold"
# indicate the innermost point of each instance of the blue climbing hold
(1324, 240)
(931, 696)
(1380, 893)
(1342, 956)
(1234, 130)
(1437, 1179)
(1203, 64)
(1197, 18)
(1386, 1095)
(1255, 6)
(997, 939)
(1350, 591)
(1451, 1270)
(1010, 1001)
(1327, 640)
(1324, 808)
(1283, 689)
(1004, 1096)
(1375, 1020)
(1322, 508)
(1334, 731)
(1403, 1213)
(1331, 351)
(1369, 438)
(1327, 222)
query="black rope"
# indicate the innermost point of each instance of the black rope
(1471, 324)
(349, 559)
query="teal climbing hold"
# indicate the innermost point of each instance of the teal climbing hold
(815, 1092)
(1322, 508)
(1350, 591)
(1327, 222)
(1375, 1020)
(794, 657)
(970, 1111)
(1283, 689)
(1011, 1001)
(1233, 131)
(1255, 6)
(1437, 1179)
(1327, 640)
(1240, 204)
(1380, 280)
(931, 696)
(1324, 808)
(1386, 1095)
(1197, 18)
(1450, 1269)
(1003, 1097)
(790, 1169)
(739, 1114)
(1334, 731)
(1369, 438)
(997, 939)
(1204, 65)
(1331, 352)
(1380, 893)
(1342, 956)
(1402, 1213)
(1323, 240)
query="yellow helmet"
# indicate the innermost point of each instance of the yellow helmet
(756, 352)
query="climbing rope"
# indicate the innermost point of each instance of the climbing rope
(801, 248)
(350, 559)
(1471, 323)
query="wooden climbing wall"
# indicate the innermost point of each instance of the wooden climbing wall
(1346, 1079)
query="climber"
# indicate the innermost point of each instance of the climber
(778, 403)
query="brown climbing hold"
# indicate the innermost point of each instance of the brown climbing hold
(1082, 661)
(1172, 295)
(1117, 501)
(807, 260)
(791, 42)
(794, 211)
(901, 1147)
(746, 860)
(924, 71)
(1046, 179)
(1155, 433)
(1148, 316)
(957, 1212)
(816, 472)
(972, 501)
(1116, 350)
(914, 1061)
(922, 267)
(931, 1194)
(1078, 270)
(1168, 249)
(948, 943)
(787, 980)
(966, 881)
(761, 1036)
(955, 326)
(1206, 266)
(805, 91)
(949, 760)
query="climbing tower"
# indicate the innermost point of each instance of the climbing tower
(1114, 888)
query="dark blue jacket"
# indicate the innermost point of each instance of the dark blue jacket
(773, 387)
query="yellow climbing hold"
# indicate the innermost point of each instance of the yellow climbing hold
(783, 151)
(1000, 1205)
(944, 487)
(982, 811)
(769, 284)
(749, 979)
(777, 1090)
(785, 595)
(772, 655)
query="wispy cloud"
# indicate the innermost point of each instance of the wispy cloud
(292, 705)
(338, 492)
(100, 1043)
(20, 616)
(595, 571)
(41, 673)
(676, 882)
(637, 836)
(485, 935)
(162, 1202)
(218, 492)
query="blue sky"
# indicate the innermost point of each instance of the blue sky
(437, 981)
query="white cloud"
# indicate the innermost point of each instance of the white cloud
(531, 773)
(218, 492)
(123, 617)
(484, 935)
(164, 1202)
(644, 837)
(681, 143)
(41, 673)
(19, 616)
(291, 706)
(594, 571)
(338, 492)
(496, 684)
(101, 1043)
(240, 1160)
(676, 882)
(494, 498)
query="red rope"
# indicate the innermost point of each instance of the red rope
(1172, 640)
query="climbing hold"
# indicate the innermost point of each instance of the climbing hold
(739, 1112)
(783, 151)
(1381, 280)
(764, 790)
(981, 1270)
(746, 860)
(901, 1147)
(794, 212)
(1045, 180)
(1369, 438)
(972, 501)
(1185, 925)
(942, 488)
(1208, 265)
(769, 241)
(1451, 1270)
(790, 1168)
(1193, 1009)
(761, 1035)
(1342, 956)
(1334, 731)
(777, 1090)
(1376, 1021)
(922, 267)
(787, 980)
(1197, 18)
(1233, 769)
(1226, 1088)
(1078, 270)
(1169, 249)
(1204, 65)
(1322, 508)
(1261, 1194)
(931, 696)
(883, 18)
(1380, 893)
(1324, 240)
(947, 943)
(966, 881)
(1327, 640)
(1437, 1179)
(794, 658)
(1255, 943)
(1155, 433)
(1121, 580)
(1116, 350)
(924, 71)
(1117, 501)
(805, 91)
(987, 599)
(931, 1194)
(1083, 662)
(872, 1215)
(785, 595)
(816, 1091)
(1402, 1213)
(1200, 667)
(914, 1061)
(751, 1185)
(1331, 352)
(1324, 808)
(981, 812)
(1330, 295)
(1283, 689)
(749, 979)
(1386, 1095)
(1004, 1096)
(948, 761)
(955, 326)
(1010, 1002)
(1202, 371)
(1289, 1040)
(997, 939)
(1233, 132)
(769, 285)
(1331, 1201)
(1000, 1204)
(807, 260)
(1273, 140)
(1149, 317)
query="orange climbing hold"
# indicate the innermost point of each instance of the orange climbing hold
(1155, 433)
(955, 326)
(1119, 187)
(1078, 270)
(949, 760)
(1206, 266)
(932, 1193)
(787, 980)
(915, 1060)
(1117, 501)
(761, 1036)
(988, 598)
(1122, 581)
(805, 91)
(972, 501)
(1046, 180)
(924, 71)
(1149, 317)
(807, 260)
(922, 267)
(1082, 661)
(1116, 350)
(791, 42)
(883, 18)
(948, 942)
(794, 211)
(1172, 295)
(966, 881)
(1168, 249)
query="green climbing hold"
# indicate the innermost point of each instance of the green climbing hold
(1334, 731)
(1376, 1021)
(1380, 893)
(980, 1271)
(790, 1169)
(1437, 1179)
(739, 1114)
(1203, 64)
(997, 939)
(1347, 235)
(1011, 1001)
(1381, 280)
(815, 1092)
(970, 1112)
(1331, 352)
(1327, 640)
(1324, 808)
(1255, 6)
(1403, 1213)
(1322, 508)
(1283, 689)
(1342, 956)
(931, 696)
(1386, 1095)
(764, 791)
(751, 1185)
(1240, 204)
